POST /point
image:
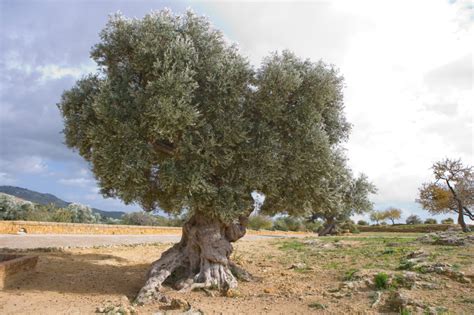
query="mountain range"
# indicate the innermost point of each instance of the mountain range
(46, 199)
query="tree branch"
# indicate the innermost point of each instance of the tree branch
(163, 147)
(468, 213)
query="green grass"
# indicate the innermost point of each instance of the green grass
(349, 275)
(292, 245)
(317, 306)
(381, 281)
(379, 251)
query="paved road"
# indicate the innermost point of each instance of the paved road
(62, 240)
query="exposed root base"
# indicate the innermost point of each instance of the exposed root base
(199, 261)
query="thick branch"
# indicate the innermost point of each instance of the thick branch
(163, 147)
(468, 213)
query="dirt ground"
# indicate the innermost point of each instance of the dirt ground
(294, 276)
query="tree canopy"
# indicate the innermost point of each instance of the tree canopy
(176, 118)
(393, 214)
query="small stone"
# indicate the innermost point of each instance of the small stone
(177, 304)
(232, 293)
(350, 285)
(100, 310)
(165, 299)
(338, 295)
(298, 266)
(268, 290)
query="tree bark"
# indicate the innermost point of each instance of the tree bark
(199, 260)
(328, 228)
(460, 211)
(461, 222)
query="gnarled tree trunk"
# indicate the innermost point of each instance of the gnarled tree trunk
(328, 228)
(199, 260)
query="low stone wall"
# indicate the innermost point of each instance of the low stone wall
(32, 227)
(419, 228)
(15, 267)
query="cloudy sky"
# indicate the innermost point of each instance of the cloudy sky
(408, 68)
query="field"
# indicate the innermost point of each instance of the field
(363, 273)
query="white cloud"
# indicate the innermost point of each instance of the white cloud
(6, 179)
(13, 60)
(79, 182)
(55, 72)
(25, 164)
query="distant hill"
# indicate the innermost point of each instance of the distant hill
(46, 199)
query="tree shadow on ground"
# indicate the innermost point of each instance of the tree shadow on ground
(87, 273)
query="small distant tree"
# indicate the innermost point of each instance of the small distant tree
(378, 216)
(431, 221)
(346, 195)
(447, 221)
(12, 208)
(362, 222)
(139, 218)
(62, 215)
(413, 219)
(312, 226)
(260, 222)
(451, 192)
(83, 214)
(288, 223)
(393, 214)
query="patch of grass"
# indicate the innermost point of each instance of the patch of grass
(381, 281)
(292, 245)
(406, 265)
(388, 251)
(317, 306)
(404, 312)
(349, 275)
(331, 265)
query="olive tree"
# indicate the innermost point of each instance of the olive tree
(451, 192)
(378, 216)
(343, 196)
(175, 118)
(393, 214)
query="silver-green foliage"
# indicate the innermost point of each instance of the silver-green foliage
(176, 118)
(82, 214)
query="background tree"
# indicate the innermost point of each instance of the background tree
(139, 218)
(83, 214)
(413, 219)
(378, 216)
(260, 222)
(177, 119)
(447, 221)
(452, 191)
(393, 214)
(344, 196)
(431, 221)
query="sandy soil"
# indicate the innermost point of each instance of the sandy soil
(77, 281)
